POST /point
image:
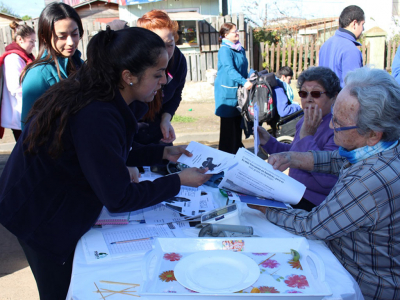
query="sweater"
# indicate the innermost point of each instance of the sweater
(39, 78)
(340, 54)
(50, 203)
(232, 72)
(318, 185)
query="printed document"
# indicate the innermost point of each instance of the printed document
(253, 176)
(206, 157)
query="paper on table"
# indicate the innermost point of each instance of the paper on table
(253, 176)
(97, 245)
(94, 247)
(206, 157)
(107, 218)
(255, 131)
(137, 234)
(160, 214)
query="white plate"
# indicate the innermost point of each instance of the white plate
(220, 271)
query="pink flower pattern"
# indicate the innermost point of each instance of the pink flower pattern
(268, 289)
(270, 263)
(172, 256)
(296, 281)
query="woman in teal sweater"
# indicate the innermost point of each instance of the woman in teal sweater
(232, 72)
(60, 29)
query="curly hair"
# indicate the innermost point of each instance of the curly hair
(378, 94)
(324, 76)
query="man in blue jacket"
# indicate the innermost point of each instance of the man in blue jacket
(340, 52)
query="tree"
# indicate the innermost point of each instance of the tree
(26, 18)
(7, 10)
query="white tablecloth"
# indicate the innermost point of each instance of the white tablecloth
(128, 270)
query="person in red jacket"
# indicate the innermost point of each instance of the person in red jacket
(18, 54)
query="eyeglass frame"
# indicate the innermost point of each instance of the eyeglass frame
(340, 128)
(309, 93)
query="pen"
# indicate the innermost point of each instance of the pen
(134, 240)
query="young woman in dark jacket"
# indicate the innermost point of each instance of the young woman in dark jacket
(72, 157)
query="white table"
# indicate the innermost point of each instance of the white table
(128, 270)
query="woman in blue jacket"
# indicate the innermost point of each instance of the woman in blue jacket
(232, 72)
(72, 157)
(59, 32)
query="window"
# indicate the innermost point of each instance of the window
(187, 33)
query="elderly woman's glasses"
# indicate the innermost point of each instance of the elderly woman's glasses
(314, 94)
(337, 129)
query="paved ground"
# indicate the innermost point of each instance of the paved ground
(16, 279)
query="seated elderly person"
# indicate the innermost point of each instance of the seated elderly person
(318, 88)
(360, 218)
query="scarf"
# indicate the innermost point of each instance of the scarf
(362, 153)
(238, 46)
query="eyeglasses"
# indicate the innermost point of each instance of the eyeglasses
(236, 31)
(314, 94)
(337, 129)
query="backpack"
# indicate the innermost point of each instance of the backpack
(261, 93)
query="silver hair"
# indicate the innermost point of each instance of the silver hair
(378, 94)
(324, 76)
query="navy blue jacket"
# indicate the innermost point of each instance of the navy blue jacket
(340, 54)
(232, 72)
(150, 131)
(50, 203)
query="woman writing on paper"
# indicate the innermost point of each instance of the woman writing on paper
(232, 72)
(72, 156)
(59, 32)
(318, 88)
(18, 54)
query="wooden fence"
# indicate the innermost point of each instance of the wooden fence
(299, 57)
(390, 52)
(198, 63)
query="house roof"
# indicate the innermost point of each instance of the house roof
(10, 16)
(92, 1)
(297, 24)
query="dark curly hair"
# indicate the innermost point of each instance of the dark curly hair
(109, 54)
(324, 76)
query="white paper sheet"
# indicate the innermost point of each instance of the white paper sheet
(253, 176)
(203, 156)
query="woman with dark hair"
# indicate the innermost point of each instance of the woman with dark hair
(318, 88)
(232, 72)
(73, 155)
(155, 127)
(18, 54)
(59, 32)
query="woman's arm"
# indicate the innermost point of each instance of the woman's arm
(34, 85)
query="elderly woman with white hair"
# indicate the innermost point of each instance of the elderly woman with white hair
(360, 218)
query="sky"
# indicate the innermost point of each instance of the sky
(304, 8)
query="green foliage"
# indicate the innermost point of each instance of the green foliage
(182, 119)
(26, 18)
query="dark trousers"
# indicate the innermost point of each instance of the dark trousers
(52, 279)
(16, 133)
(230, 134)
